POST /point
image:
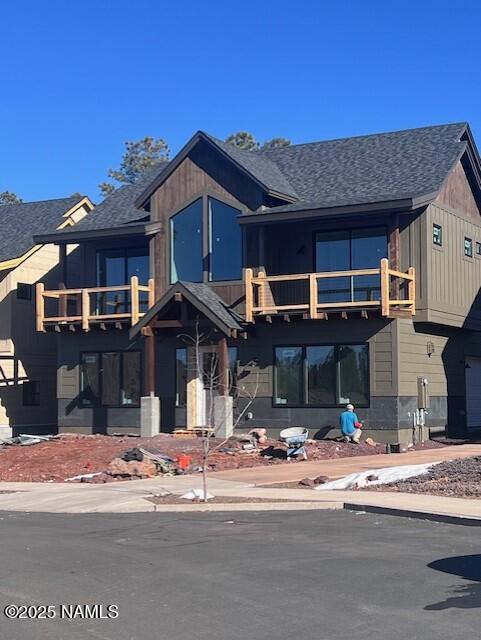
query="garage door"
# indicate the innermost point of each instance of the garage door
(473, 393)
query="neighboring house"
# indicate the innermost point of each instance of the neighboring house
(27, 364)
(372, 250)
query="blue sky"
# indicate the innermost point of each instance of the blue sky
(79, 78)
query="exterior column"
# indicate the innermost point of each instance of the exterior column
(223, 365)
(149, 371)
(394, 254)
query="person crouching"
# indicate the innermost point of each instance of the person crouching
(351, 428)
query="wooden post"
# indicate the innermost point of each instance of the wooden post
(40, 306)
(313, 296)
(62, 300)
(151, 294)
(223, 364)
(249, 294)
(385, 287)
(134, 300)
(412, 289)
(262, 290)
(85, 309)
(149, 373)
(394, 254)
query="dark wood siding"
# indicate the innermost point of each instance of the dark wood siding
(457, 193)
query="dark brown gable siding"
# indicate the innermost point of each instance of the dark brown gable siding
(457, 193)
(203, 171)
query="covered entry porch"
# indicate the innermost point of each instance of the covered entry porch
(189, 358)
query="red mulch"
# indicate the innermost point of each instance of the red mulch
(72, 455)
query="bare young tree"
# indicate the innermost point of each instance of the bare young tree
(209, 373)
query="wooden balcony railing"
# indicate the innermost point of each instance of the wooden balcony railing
(314, 294)
(93, 305)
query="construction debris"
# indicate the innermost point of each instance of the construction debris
(197, 494)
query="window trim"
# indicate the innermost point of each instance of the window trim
(478, 249)
(92, 405)
(471, 254)
(205, 194)
(440, 243)
(304, 346)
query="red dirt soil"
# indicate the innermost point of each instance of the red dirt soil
(72, 455)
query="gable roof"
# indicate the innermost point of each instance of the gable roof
(20, 222)
(204, 299)
(410, 164)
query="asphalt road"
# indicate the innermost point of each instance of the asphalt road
(245, 576)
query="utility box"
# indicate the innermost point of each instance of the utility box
(423, 393)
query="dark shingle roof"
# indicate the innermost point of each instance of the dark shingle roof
(118, 208)
(259, 165)
(373, 168)
(205, 294)
(204, 299)
(20, 222)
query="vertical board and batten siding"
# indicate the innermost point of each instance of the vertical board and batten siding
(413, 254)
(196, 175)
(454, 280)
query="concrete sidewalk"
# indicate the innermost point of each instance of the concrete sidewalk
(340, 467)
(124, 497)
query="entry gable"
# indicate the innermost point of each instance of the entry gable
(200, 296)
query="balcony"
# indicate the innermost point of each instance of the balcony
(314, 295)
(93, 306)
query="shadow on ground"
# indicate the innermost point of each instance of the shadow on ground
(466, 596)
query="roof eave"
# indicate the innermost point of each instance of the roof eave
(69, 237)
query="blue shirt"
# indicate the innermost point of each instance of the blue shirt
(346, 422)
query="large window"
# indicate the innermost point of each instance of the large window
(205, 242)
(322, 375)
(345, 251)
(225, 242)
(110, 378)
(186, 243)
(115, 267)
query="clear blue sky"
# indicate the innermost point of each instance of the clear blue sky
(78, 78)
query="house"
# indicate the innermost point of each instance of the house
(304, 277)
(27, 364)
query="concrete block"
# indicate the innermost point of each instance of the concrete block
(149, 416)
(5, 432)
(223, 417)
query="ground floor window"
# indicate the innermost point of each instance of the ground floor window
(322, 375)
(110, 378)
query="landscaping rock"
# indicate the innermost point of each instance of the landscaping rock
(321, 480)
(307, 482)
(133, 468)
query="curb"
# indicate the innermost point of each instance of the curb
(248, 506)
(467, 521)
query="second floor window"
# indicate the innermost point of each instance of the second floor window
(437, 235)
(205, 242)
(115, 267)
(468, 247)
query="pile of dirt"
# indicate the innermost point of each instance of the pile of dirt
(72, 455)
(456, 479)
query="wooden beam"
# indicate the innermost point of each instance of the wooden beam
(39, 306)
(71, 327)
(269, 319)
(249, 294)
(149, 364)
(118, 325)
(147, 331)
(364, 314)
(344, 315)
(287, 317)
(223, 364)
(85, 309)
(167, 324)
(313, 296)
(385, 287)
(103, 326)
(412, 289)
(151, 294)
(394, 253)
(62, 258)
(134, 300)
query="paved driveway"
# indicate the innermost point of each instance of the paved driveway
(252, 576)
